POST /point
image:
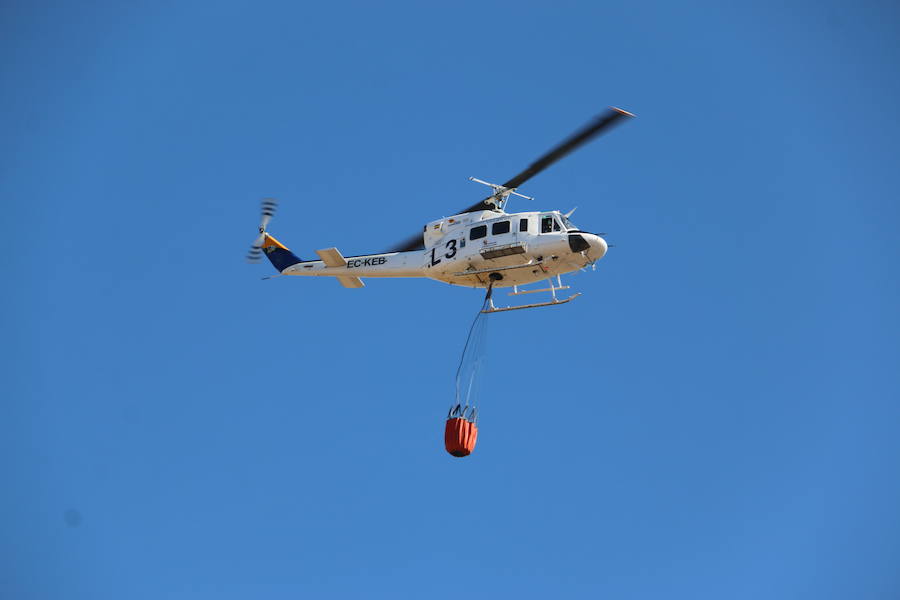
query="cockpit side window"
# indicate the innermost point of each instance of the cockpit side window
(547, 224)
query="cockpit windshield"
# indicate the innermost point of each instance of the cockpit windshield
(567, 223)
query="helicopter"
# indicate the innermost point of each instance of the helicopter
(481, 246)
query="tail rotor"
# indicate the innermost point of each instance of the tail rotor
(268, 210)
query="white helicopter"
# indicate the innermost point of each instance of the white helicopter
(482, 246)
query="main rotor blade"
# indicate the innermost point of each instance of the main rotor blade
(576, 140)
(414, 242)
(600, 124)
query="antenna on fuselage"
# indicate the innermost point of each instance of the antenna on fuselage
(501, 194)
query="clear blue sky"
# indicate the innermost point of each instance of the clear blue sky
(716, 417)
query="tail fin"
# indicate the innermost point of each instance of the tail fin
(278, 254)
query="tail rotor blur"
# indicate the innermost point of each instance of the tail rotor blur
(268, 210)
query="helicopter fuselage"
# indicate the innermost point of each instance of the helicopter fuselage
(473, 249)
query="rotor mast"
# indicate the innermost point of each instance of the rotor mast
(501, 194)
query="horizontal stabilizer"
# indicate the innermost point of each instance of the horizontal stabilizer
(350, 282)
(332, 257)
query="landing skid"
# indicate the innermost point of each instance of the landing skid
(490, 308)
(494, 309)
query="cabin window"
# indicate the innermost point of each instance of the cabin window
(523, 225)
(478, 232)
(547, 224)
(500, 227)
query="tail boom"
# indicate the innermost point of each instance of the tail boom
(391, 264)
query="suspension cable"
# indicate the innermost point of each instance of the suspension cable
(458, 406)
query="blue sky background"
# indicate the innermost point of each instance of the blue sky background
(717, 416)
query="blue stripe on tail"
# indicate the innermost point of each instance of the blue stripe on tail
(281, 258)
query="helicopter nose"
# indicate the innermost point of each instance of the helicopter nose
(591, 245)
(598, 247)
